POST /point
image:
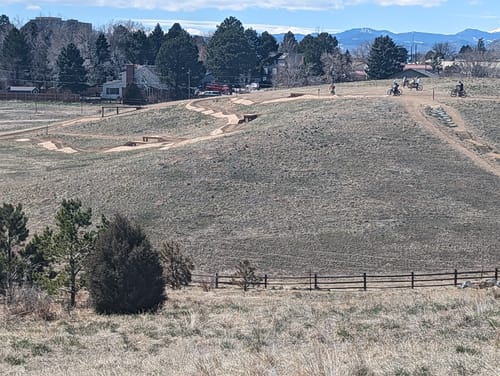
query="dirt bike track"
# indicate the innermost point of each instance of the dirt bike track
(461, 137)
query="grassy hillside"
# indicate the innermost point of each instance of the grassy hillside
(352, 183)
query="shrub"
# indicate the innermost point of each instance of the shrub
(125, 272)
(30, 301)
(133, 95)
(245, 275)
(177, 266)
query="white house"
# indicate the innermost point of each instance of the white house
(143, 76)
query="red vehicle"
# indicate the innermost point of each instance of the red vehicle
(222, 88)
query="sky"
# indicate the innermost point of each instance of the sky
(275, 16)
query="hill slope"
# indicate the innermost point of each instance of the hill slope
(339, 184)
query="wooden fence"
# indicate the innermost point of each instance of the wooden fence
(364, 281)
(40, 97)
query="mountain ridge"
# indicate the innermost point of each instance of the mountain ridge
(421, 41)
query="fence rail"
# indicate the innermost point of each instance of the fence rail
(363, 281)
(61, 97)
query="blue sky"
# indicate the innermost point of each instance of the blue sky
(275, 16)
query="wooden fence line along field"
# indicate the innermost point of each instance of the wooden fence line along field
(40, 97)
(364, 281)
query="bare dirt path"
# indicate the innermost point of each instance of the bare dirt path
(461, 137)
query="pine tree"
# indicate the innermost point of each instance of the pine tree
(125, 273)
(289, 44)
(267, 45)
(156, 38)
(102, 67)
(481, 47)
(16, 56)
(177, 62)
(313, 49)
(138, 50)
(386, 58)
(13, 232)
(72, 73)
(229, 55)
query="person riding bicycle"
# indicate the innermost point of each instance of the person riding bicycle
(395, 88)
(460, 88)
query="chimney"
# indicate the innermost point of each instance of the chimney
(129, 75)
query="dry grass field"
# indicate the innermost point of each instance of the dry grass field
(438, 332)
(348, 183)
(356, 182)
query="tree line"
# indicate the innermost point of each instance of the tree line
(232, 54)
(72, 61)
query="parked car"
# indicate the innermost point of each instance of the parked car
(210, 93)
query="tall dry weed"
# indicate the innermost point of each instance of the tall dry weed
(32, 302)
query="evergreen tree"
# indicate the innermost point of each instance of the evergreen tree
(5, 27)
(314, 48)
(38, 260)
(72, 73)
(465, 49)
(177, 62)
(156, 39)
(267, 45)
(386, 58)
(103, 54)
(102, 67)
(138, 50)
(481, 47)
(65, 250)
(16, 56)
(289, 44)
(125, 272)
(229, 54)
(13, 233)
(133, 95)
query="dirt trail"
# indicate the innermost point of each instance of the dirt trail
(461, 137)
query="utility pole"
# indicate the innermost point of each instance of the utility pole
(189, 83)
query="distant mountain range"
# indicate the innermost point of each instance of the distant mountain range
(422, 42)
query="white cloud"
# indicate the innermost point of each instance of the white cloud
(33, 7)
(407, 3)
(204, 27)
(192, 5)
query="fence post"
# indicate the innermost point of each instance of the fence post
(412, 280)
(496, 274)
(216, 280)
(265, 281)
(310, 280)
(364, 281)
(456, 277)
(316, 287)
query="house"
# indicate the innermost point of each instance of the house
(416, 71)
(359, 69)
(24, 89)
(144, 76)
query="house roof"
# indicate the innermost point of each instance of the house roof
(410, 73)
